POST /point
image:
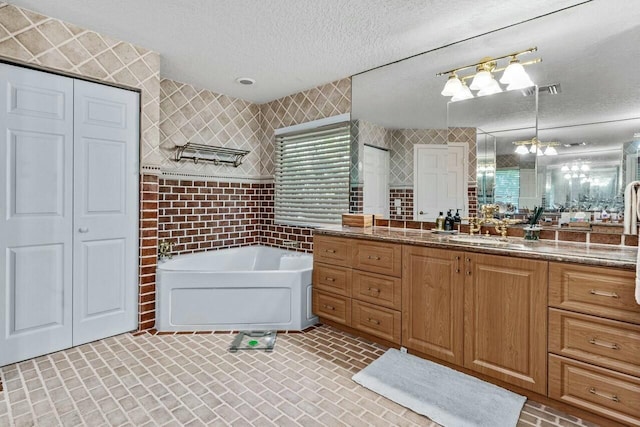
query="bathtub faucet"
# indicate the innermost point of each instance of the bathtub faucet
(164, 250)
(294, 244)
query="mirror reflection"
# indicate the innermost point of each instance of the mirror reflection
(588, 110)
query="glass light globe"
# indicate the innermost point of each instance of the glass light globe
(492, 87)
(521, 149)
(481, 80)
(514, 72)
(565, 168)
(550, 151)
(462, 94)
(452, 86)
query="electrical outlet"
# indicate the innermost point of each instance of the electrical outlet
(403, 349)
(397, 203)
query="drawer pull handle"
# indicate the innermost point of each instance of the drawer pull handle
(377, 258)
(604, 294)
(468, 273)
(458, 264)
(612, 346)
(331, 251)
(329, 279)
(374, 321)
(329, 307)
(374, 290)
(611, 397)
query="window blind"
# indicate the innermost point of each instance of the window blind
(312, 175)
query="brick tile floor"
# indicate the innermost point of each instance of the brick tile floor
(192, 380)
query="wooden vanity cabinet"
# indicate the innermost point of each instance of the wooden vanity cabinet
(484, 312)
(356, 283)
(594, 340)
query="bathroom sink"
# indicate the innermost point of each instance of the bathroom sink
(487, 241)
(481, 240)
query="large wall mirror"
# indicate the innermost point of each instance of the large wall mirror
(588, 106)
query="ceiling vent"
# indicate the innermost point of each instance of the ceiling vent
(552, 89)
(575, 144)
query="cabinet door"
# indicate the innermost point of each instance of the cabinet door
(505, 322)
(432, 302)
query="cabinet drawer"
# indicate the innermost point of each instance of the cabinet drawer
(377, 257)
(377, 289)
(332, 279)
(378, 321)
(603, 342)
(332, 307)
(599, 390)
(332, 250)
(606, 292)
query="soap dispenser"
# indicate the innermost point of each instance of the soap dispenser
(456, 217)
(448, 221)
(440, 222)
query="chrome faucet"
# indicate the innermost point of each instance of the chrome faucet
(164, 250)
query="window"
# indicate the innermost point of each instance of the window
(312, 175)
(507, 190)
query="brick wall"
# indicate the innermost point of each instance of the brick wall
(279, 235)
(200, 215)
(406, 203)
(356, 199)
(148, 250)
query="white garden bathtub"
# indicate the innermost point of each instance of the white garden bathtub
(248, 288)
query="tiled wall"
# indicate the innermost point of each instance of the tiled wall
(356, 199)
(200, 215)
(36, 39)
(328, 100)
(406, 203)
(190, 114)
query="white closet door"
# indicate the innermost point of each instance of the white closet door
(36, 155)
(376, 181)
(105, 233)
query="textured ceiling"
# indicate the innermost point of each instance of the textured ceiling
(591, 50)
(287, 45)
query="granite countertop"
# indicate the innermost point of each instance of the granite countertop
(551, 250)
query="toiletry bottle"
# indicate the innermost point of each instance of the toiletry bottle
(440, 222)
(448, 221)
(456, 217)
(457, 220)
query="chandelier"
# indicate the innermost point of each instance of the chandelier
(578, 169)
(514, 76)
(537, 147)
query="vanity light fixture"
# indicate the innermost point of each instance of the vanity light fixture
(537, 147)
(565, 168)
(514, 76)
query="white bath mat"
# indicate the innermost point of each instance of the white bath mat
(448, 397)
(254, 340)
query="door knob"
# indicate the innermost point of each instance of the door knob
(421, 213)
(83, 230)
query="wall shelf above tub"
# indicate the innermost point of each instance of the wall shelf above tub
(210, 153)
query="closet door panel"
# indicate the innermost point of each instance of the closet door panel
(36, 161)
(106, 211)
